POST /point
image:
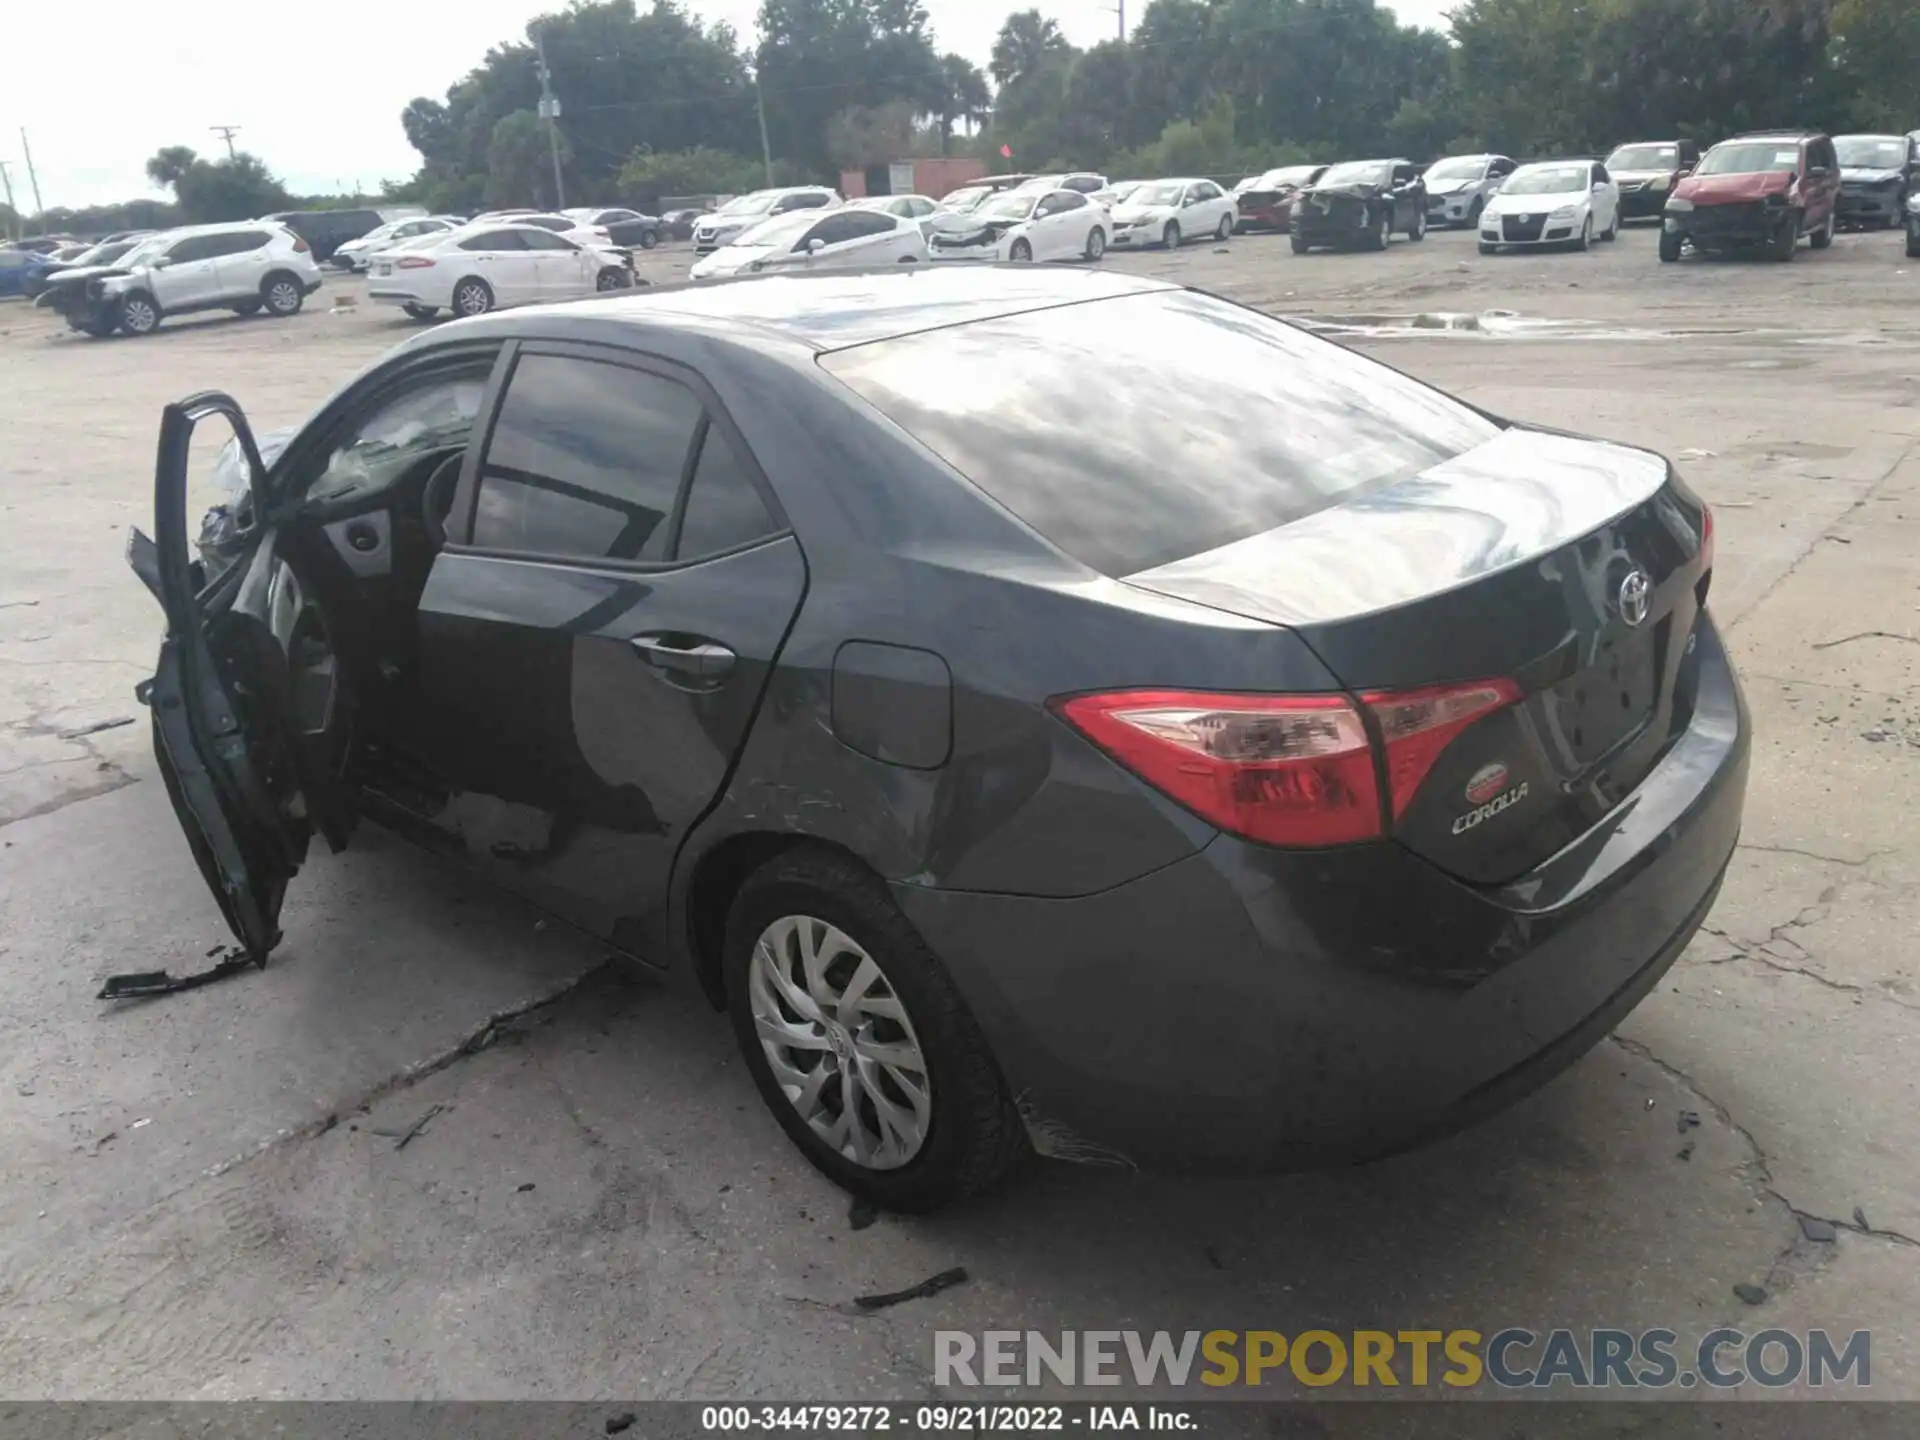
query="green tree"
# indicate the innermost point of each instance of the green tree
(170, 164)
(520, 161)
(1027, 42)
(818, 59)
(1876, 52)
(239, 188)
(964, 97)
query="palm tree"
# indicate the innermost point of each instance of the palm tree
(1024, 42)
(964, 96)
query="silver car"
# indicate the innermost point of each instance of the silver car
(1459, 187)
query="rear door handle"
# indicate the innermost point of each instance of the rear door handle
(687, 656)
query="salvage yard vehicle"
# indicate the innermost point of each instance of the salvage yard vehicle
(710, 232)
(1025, 225)
(1913, 226)
(487, 266)
(628, 229)
(919, 209)
(1876, 174)
(850, 236)
(1361, 205)
(354, 254)
(1646, 172)
(1265, 202)
(325, 231)
(250, 267)
(1459, 188)
(23, 271)
(1553, 202)
(1168, 213)
(1756, 192)
(833, 646)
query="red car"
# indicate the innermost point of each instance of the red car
(1756, 192)
(1265, 202)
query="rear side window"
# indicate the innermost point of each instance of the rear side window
(1261, 424)
(724, 511)
(495, 240)
(585, 461)
(239, 242)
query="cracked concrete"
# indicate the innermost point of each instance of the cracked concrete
(202, 1197)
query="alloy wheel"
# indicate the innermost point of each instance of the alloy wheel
(138, 316)
(283, 298)
(839, 1042)
(472, 299)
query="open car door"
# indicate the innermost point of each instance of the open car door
(250, 726)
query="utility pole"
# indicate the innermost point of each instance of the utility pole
(1119, 7)
(33, 179)
(550, 112)
(12, 213)
(766, 149)
(226, 133)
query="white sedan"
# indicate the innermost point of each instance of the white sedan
(489, 266)
(1026, 225)
(850, 236)
(1171, 212)
(355, 253)
(917, 208)
(1552, 202)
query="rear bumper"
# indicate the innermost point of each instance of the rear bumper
(1276, 215)
(1247, 1008)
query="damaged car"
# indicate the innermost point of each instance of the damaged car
(1756, 192)
(1024, 225)
(831, 646)
(250, 268)
(1876, 176)
(1460, 187)
(1361, 205)
(1913, 226)
(1265, 202)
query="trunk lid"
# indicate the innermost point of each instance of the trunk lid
(1573, 568)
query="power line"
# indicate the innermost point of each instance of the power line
(226, 133)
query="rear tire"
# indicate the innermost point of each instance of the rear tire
(649, 239)
(420, 312)
(472, 296)
(248, 307)
(962, 1135)
(283, 295)
(139, 314)
(1612, 232)
(1170, 237)
(1670, 244)
(1823, 237)
(1300, 245)
(1096, 243)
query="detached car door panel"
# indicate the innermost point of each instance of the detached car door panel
(594, 648)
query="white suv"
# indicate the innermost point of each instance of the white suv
(246, 267)
(727, 223)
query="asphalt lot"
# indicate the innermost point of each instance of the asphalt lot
(601, 1208)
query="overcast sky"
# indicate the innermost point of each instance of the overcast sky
(318, 94)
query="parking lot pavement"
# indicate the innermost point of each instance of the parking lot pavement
(600, 1206)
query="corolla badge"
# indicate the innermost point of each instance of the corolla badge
(1480, 814)
(1636, 594)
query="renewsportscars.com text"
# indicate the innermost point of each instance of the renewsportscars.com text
(1510, 1359)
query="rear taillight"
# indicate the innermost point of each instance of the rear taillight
(413, 262)
(1290, 770)
(1706, 537)
(299, 246)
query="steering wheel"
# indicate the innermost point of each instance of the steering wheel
(436, 497)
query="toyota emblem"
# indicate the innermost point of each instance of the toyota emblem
(1635, 593)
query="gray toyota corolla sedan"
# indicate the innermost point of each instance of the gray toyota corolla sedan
(1046, 709)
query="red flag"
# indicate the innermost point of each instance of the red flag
(1006, 152)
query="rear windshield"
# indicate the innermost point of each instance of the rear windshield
(1074, 419)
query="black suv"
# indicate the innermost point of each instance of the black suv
(325, 231)
(1359, 205)
(1876, 176)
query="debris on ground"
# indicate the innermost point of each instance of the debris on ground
(141, 1123)
(1860, 1218)
(861, 1214)
(1814, 1228)
(104, 1141)
(1750, 1294)
(1685, 1152)
(523, 1187)
(141, 984)
(621, 1422)
(1688, 1120)
(418, 1127)
(78, 731)
(932, 1285)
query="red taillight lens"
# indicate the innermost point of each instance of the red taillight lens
(413, 262)
(1706, 537)
(1418, 724)
(1282, 769)
(1292, 770)
(299, 246)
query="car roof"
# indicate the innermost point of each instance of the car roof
(1794, 135)
(836, 309)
